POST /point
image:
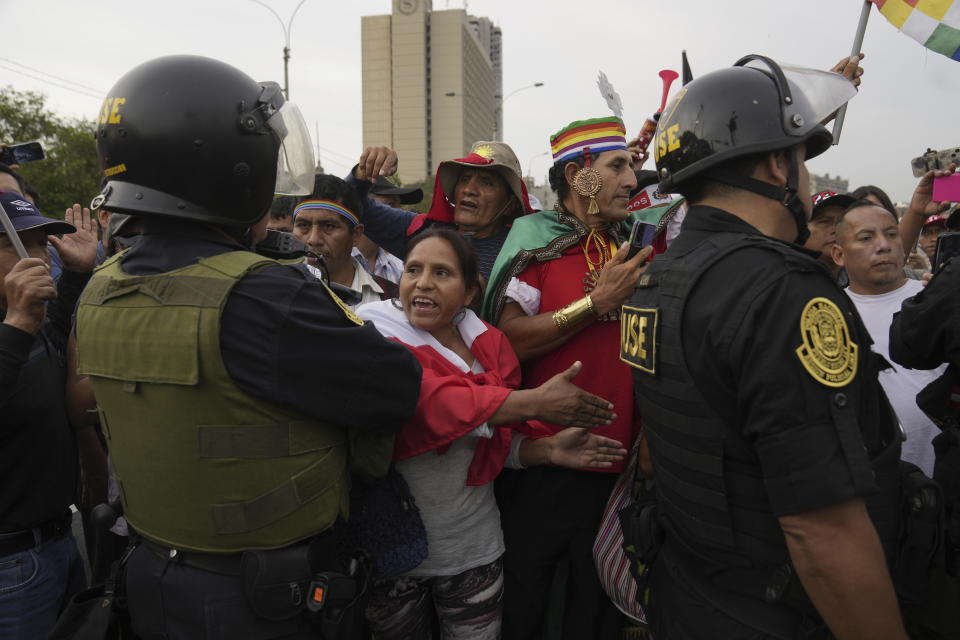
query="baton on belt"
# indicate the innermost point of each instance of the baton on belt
(12, 234)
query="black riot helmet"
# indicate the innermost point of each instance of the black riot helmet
(192, 137)
(754, 107)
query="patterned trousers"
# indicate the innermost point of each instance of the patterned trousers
(466, 605)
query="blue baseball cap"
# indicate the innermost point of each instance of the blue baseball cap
(25, 216)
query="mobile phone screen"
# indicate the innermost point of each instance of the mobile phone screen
(641, 235)
(23, 153)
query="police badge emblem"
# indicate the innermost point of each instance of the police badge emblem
(827, 353)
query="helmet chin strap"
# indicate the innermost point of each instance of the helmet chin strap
(785, 195)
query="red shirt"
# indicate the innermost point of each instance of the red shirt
(597, 346)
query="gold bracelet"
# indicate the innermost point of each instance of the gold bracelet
(575, 312)
(560, 319)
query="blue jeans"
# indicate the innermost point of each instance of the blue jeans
(34, 587)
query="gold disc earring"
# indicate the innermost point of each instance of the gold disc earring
(587, 182)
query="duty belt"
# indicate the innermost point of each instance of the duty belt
(227, 564)
(18, 541)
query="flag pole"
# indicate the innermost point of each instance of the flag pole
(857, 45)
(12, 234)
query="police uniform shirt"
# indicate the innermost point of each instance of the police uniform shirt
(283, 338)
(925, 332)
(746, 336)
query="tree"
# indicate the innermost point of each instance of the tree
(70, 173)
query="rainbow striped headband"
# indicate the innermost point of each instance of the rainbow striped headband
(599, 134)
(326, 205)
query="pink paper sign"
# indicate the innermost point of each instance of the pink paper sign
(947, 188)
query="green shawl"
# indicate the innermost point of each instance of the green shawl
(544, 236)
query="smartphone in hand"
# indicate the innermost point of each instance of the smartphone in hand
(641, 235)
(21, 153)
(946, 188)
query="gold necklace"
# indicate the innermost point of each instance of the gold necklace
(605, 250)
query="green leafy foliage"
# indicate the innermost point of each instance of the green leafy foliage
(70, 173)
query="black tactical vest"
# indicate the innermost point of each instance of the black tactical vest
(710, 492)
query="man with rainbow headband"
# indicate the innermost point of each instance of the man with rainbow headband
(556, 291)
(329, 224)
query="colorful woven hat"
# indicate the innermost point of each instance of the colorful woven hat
(599, 134)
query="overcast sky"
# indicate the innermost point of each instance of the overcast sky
(907, 103)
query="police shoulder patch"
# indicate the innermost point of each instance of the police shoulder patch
(827, 353)
(638, 333)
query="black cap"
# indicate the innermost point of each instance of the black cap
(25, 216)
(407, 195)
(830, 199)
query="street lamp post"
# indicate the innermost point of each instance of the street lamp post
(286, 41)
(498, 112)
(530, 162)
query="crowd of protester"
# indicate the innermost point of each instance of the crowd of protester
(525, 413)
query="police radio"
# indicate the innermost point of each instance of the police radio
(281, 245)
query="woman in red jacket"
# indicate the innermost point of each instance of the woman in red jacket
(469, 423)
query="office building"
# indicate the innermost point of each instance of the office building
(432, 84)
(826, 183)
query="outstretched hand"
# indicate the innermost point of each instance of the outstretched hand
(562, 402)
(78, 250)
(376, 162)
(577, 448)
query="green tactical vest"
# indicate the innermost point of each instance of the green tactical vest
(202, 465)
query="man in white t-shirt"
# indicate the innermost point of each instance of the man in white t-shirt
(868, 246)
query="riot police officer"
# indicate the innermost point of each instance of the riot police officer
(923, 335)
(236, 392)
(774, 455)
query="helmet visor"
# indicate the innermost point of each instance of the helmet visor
(825, 91)
(296, 164)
